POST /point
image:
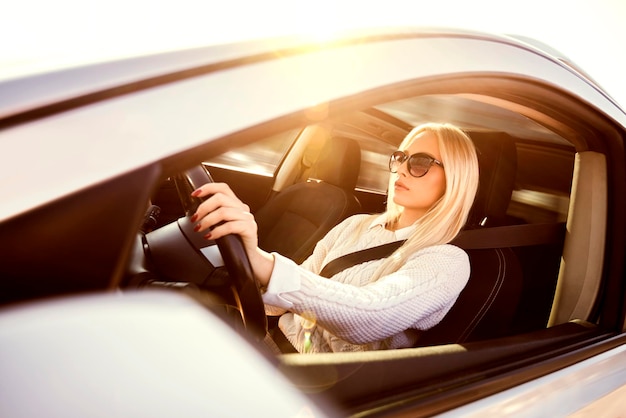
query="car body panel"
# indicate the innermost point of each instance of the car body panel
(562, 393)
(134, 354)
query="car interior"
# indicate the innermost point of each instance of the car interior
(534, 243)
(536, 235)
(516, 277)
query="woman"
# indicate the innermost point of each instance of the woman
(377, 304)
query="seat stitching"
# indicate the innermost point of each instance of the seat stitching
(492, 296)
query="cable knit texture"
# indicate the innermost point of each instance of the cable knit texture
(351, 311)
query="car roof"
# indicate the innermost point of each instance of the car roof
(63, 77)
(71, 128)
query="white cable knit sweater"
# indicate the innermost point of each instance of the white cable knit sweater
(354, 313)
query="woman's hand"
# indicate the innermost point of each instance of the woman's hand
(223, 214)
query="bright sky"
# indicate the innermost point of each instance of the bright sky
(591, 32)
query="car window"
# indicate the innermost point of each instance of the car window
(374, 174)
(543, 183)
(264, 156)
(261, 157)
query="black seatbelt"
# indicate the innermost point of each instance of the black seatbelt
(471, 239)
(510, 236)
(358, 257)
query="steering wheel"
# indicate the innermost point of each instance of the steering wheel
(246, 290)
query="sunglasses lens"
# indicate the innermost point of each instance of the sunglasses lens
(419, 165)
(396, 160)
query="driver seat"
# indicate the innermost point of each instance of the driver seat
(487, 305)
(296, 218)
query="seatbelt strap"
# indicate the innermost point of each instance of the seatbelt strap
(358, 257)
(510, 236)
(472, 239)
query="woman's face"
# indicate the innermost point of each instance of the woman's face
(417, 194)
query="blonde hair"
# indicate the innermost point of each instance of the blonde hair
(445, 219)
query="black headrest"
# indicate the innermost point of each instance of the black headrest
(339, 163)
(497, 160)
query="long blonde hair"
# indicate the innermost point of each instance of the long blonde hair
(445, 219)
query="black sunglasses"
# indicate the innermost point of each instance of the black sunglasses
(418, 164)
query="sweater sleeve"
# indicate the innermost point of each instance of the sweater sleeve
(416, 296)
(285, 278)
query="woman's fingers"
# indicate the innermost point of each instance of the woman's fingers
(219, 195)
(225, 221)
(213, 188)
(222, 213)
(242, 227)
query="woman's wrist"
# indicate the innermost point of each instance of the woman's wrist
(262, 264)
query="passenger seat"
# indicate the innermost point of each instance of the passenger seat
(296, 218)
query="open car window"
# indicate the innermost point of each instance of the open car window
(556, 303)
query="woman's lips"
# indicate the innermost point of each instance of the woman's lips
(398, 185)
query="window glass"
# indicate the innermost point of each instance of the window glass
(538, 207)
(261, 157)
(374, 175)
(543, 182)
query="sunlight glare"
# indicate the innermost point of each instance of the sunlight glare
(72, 31)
